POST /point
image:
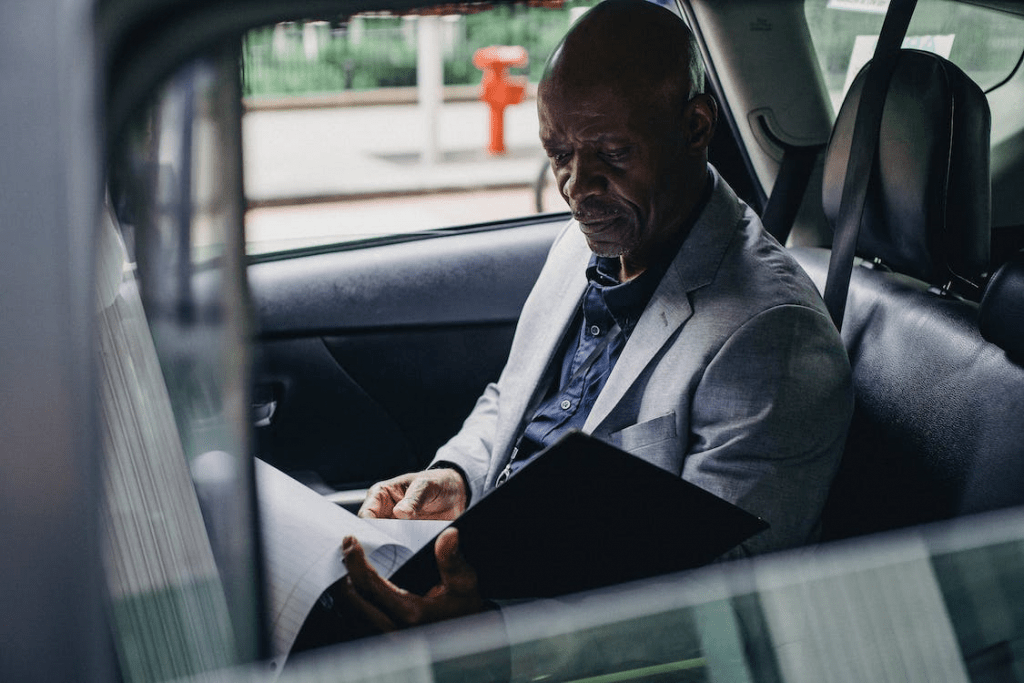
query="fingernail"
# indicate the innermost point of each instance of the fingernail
(347, 543)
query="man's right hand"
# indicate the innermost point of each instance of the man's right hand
(430, 494)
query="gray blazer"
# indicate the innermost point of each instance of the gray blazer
(734, 377)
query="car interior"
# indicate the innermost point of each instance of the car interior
(916, 303)
(349, 363)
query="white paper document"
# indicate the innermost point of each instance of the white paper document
(302, 534)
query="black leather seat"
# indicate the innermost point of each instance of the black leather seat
(1001, 318)
(937, 431)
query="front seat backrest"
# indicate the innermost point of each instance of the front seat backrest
(927, 212)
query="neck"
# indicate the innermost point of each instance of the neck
(628, 271)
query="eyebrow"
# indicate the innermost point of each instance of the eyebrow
(616, 139)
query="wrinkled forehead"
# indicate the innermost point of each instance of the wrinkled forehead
(613, 77)
(624, 98)
(598, 110)
(618, 65)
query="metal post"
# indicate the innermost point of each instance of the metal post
(429, 84)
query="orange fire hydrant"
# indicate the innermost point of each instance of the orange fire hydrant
(497, 88)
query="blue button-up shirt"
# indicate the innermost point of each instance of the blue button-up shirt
(606, 303)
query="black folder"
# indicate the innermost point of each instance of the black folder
(581, 515)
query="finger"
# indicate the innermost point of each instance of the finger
(456, 573)
(381, 497)
(409, 506)
(371, 508)
(399, 605)
(354, 557)
(364, 608)
(378, 503)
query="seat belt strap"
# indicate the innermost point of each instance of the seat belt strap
(863, 146)
(788, 191)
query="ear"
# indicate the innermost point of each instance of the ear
(701, 118)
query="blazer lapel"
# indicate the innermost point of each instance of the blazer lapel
(544, 328)
(668, 310)
(694, 266)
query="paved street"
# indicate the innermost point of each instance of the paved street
(276, 228)
(315, 175)
(345, 151)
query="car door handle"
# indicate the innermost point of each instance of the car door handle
(263, 413)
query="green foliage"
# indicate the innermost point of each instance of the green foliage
(339, 66)
(386, 56)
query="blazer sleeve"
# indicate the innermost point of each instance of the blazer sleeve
(473, 448)
(768, 422)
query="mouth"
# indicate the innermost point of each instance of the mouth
(592, 224)
(595, 227)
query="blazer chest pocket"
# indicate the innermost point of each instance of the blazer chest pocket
(655, 441)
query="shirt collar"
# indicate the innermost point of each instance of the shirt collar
(623, 301)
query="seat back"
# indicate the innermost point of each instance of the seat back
(1001, 318)
(936, 431)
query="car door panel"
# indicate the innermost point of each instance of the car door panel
(370, 357)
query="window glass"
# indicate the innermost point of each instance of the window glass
(173, 370)
(940, 603)
(373, 125)
(986, 44)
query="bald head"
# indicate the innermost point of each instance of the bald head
(632, 45)
(627, 128)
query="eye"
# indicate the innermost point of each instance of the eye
(558, 156)
(616, 155)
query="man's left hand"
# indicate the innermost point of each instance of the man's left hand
(388, 607)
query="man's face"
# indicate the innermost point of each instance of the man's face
(619, 164)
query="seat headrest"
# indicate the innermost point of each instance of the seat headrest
(928, 206)
(1001, 314)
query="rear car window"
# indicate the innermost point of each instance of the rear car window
(986, 44)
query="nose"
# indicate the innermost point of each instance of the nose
(584, 178)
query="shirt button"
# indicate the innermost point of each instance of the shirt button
(595, 330)
(566, 404)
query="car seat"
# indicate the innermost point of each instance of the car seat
(936, 430)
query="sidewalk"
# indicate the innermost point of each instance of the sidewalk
(323, 154)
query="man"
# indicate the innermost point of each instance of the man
(665, 320)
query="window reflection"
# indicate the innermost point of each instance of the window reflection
(182, 558)
(986, 44)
